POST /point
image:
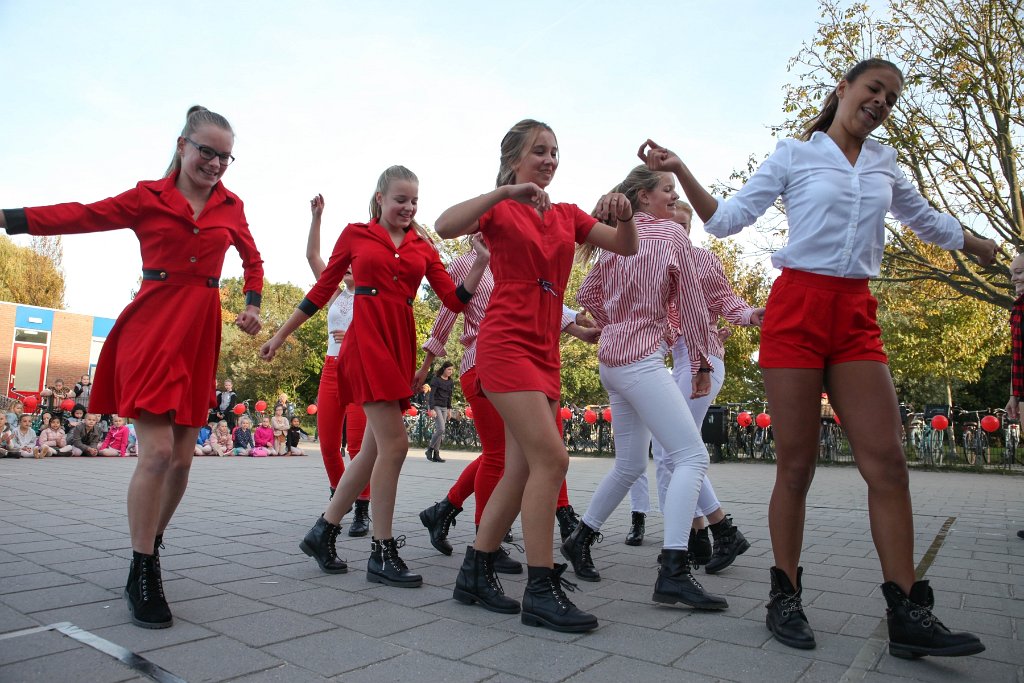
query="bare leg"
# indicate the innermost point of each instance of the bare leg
(176, 479)
(392, 444)
(355, 478)
(535, 465)
(863, 395)
(794, 396)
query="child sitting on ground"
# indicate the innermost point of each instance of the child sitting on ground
(279, 423)
(263, 437)
(77, 415)
(41, 422)
(14, 415)
(5, 439)
(203, 446)
(295, 434)
(220, 440)
(23, 438)
(116, 441)
(243, 437)
(53, 440)
(85, 438)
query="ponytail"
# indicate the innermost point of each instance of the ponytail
(827, 115)
(397, 173)
(196, 117)
(514, 147)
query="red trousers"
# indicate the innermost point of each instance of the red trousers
(332, 419)
(483, 474)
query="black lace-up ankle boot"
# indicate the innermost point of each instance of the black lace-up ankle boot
(576, 549)
(477, 582)
(361, 520)
(319, 544)
(729, 544)
(438, 519)
(676, 583)
(915, 632)
(699, 546)
(385, 566)
(144, 593)
(637, 529)
(545, 603)
(567, 521)
(786, 619)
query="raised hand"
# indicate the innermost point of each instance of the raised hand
(659, 158)
(316, 206)
(479, 245)
(613, 206)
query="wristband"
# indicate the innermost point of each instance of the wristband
(625, 220)
(704, 370)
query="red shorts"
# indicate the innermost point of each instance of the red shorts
(813, 321)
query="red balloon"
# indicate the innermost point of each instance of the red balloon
(990, 423)
(311, 409)
(261, 406)
(743, 419)
(431, 413)
(940, 422)
(67, 404)
(590, 416)
(566, 413)
(412, 412)
(763, 420)
(30, 404)
(469, 412)
(607, 414)
(835, 417)
(239, 409)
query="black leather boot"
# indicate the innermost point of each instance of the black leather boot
(477, 583)
(319, 544)
(676, 583)
(729, 544)
(385, 566)
(429, 453)
(509, 537)
(438, 518)
(915, 632)
(504, 564)
(144, 593)
(636, 529)
(576, 549)
(437, 456)
(699, 546)
(786, 619)
(361, 520)
(545, 603)
(567, 521)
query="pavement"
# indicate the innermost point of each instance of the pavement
(249, 606)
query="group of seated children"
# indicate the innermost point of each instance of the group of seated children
(274, 436)
(20, 440)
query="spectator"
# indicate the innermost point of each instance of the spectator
(439, 399)
(220, 440)
(53, 440)
(115, 443)
(85, 438)
(82, 390)
(55, 395)
(289, 408)
(279, 423)
(23, 438)
(203, 445)
(6, 450)
(41, 422)
(263, 438)
(77, 415)
(226, 400)
(133, 441)
(242, 437)
(14, 415)
(295, 434)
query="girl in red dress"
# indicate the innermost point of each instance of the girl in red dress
(185, 223)
(389, 257)
(518, 362)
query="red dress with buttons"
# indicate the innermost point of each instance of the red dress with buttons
(161, 355)
(531, 256)
(378, 358)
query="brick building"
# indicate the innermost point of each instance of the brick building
(40, 345)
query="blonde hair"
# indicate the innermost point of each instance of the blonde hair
(684, 206)
(391, 174)
(639, 178)
(514, 146)
(245, 419)
(197, 117)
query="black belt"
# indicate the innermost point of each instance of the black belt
(373, 291)
(180, 278)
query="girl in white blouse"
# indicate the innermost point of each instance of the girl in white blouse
(820, 331)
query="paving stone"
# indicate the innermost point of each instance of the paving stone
(271, 626)
(419, 666)
(379, 618)
(738, 663)
(42, 644)
(450, 639)
(614, 669)
(535, 658)
(212, 659)
(225, 606)
(59, 596)
(334, 652)
(284, 673)
(78, 664)
(141, 640)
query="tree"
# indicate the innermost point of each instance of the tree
(957, 129)
(32, 275)
(581, 379)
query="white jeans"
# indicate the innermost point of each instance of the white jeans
(698, 407)
(645, 401)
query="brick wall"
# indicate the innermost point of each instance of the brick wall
(70, 342)
(6, 344)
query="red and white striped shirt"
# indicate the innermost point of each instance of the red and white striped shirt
(472, 314)
(630, 296)
(722, 301)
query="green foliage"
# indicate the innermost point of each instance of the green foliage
(32, 275)
(581, 380)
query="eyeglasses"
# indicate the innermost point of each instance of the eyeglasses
(208, 153)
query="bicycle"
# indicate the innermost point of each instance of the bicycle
(830, 441)
(932, 445)
(974, 438)
(1011, 437)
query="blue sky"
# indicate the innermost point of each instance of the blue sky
(324, 95)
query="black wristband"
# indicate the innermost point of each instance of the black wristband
(463, 294)
(17, 224)
(308, 307)
(253, 299)
(704, 370)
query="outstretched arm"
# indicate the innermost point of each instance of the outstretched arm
(464, 218)
(658, 158)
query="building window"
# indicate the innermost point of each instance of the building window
(31, 336)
